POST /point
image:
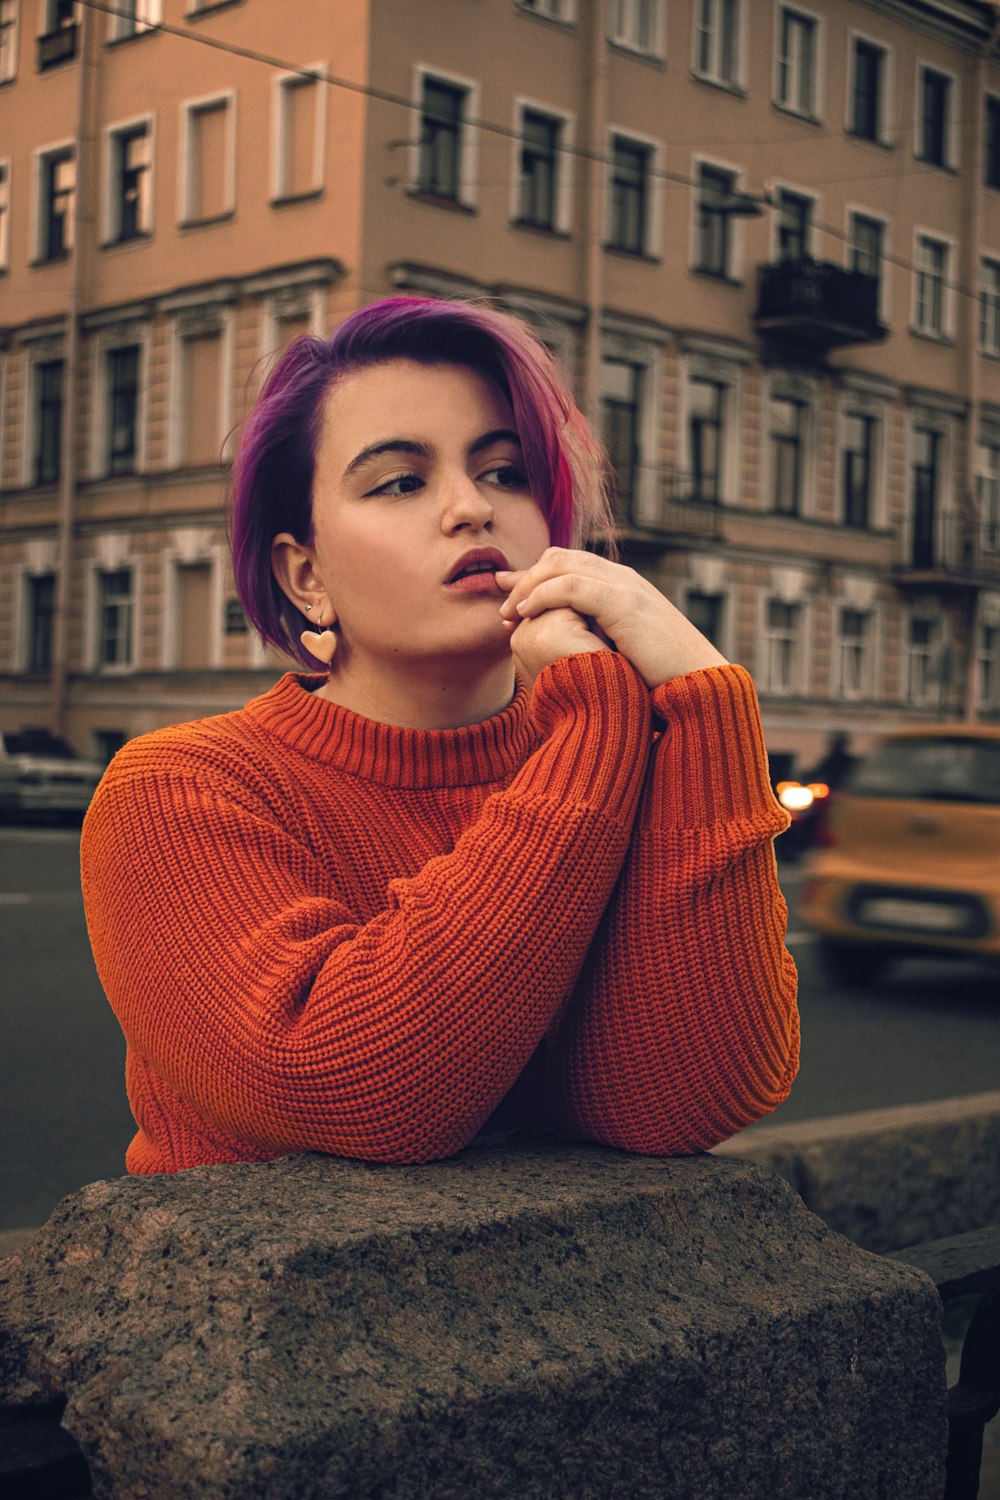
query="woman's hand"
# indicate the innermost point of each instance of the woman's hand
(626, 609)
(553, 633)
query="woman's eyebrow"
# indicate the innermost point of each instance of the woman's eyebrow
(497, 435)
(391, 445)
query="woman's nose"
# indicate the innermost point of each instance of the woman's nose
(465, 504)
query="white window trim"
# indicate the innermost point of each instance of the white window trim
(774, 191)
(43, 17)
(40, 561)
(176, 392)
(288, 301)
(189, 108)
(814, 115)
(871, 661)
(563, 215)
(952, 154)
(703, 367)
(107, 198)
(653, 248)
(885, 111)
(884, 292)
(739, 83)
(39, 353)
(15, 32)
(992, 256)
(104, 342)
(7, 164)
(281, 85)
(191, 546)
(114, 550)
(783, 386)
(726, 592)
(569, 19)
(852, 400)
(941, 423)
(615, 346)
(149, 14)
(468, 141)
(658, 49)
(736, 230)
(39, 157)
(932, 698)
(804, 655)
(947, 333)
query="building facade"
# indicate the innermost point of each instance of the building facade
(763, 238)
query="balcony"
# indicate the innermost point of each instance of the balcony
(948, 554)
(686, 507)
(58, 46)
(813, 306)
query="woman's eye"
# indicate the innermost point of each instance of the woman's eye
(507, 476)
(403, 484)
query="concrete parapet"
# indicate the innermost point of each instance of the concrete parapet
(537, 1319)
(887, 1178)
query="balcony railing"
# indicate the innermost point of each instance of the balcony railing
(815, 305)
(685, 506)
(948, 551)
(57, 46)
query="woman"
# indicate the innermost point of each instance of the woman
(506, 861)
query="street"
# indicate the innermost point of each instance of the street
(933, 1031)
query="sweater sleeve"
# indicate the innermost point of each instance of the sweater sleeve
(283, 1021)
(684, 1026)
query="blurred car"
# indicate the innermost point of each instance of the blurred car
(42, 776)
(806, 805)
(909, 854)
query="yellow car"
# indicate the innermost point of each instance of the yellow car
(909, 855)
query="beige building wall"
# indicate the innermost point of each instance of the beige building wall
(269, 203)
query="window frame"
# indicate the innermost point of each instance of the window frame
(865, 686)
(930, 695)
(282, 86)
(989, 296)
(562, 191)
(30, 662)
(717, 31)
(768, 637)
(123, 28)
(856, 212)
(813, 111)
(652, 150)
(641, 354)
(127, 662)
(45, 159)
(987, 664)
(987, 474)
(725, 376)
(657, 47)
(732, 266)
(781, 193)
(187, 188)
(804, 392)
(949, 146)
(922, 240)
(10, 31)
(113, 199)
(466, 195)
(991, 157)
(6, 168)
(542, 10)
(883, 103)
(193, 323)
(38, 405)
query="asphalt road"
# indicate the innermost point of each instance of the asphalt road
(931, 1033)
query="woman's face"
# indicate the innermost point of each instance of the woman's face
(416, 466)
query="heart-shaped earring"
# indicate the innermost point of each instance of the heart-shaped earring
(322, 645)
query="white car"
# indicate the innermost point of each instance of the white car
(42, 775)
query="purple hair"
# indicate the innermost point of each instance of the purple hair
(273, 471)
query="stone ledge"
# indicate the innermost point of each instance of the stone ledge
(538, 1319)
(887, 1178)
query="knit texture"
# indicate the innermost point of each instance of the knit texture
(323, 933)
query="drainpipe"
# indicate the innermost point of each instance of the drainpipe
(84, 227)
(597, 111)
(972, 154)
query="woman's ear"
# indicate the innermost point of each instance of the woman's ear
(294, 567)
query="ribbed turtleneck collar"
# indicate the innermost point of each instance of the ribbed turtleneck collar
(386, 753)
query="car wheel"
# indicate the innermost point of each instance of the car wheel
(852, 963)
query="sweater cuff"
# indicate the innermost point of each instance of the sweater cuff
(593, 711)
(711, 760)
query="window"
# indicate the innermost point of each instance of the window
(131, 198)
(935, 103)
(988, 494)
(868, 83)
(713, 249)
(554, 10)
(926, 475)
(782, 646)
(132, 17)
(56, 202)
(706, 613)
(794, 226)
(300, 123)
(622, 387)
(991, 142)
(921, 646)
(706, 415)
(41, 601)
(931, 277)
(788, 425)
(539, 169)
(48, 399)
(635, 24)
(858, 468)
(797, 35)
(4, 215)
(195, 622)
(630, 192)
(717, 41)
(123, 409)
(209, 176)
(234, 621)
(201, 357)
(989, 305)
(988, 664)
(440, 170)
(867, 239)
(114, 626)
(855, 653)
(8, 40)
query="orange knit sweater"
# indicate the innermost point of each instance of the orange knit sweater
(323, 933)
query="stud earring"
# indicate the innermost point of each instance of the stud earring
(323, 644)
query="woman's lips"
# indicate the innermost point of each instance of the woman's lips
(476, 583)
